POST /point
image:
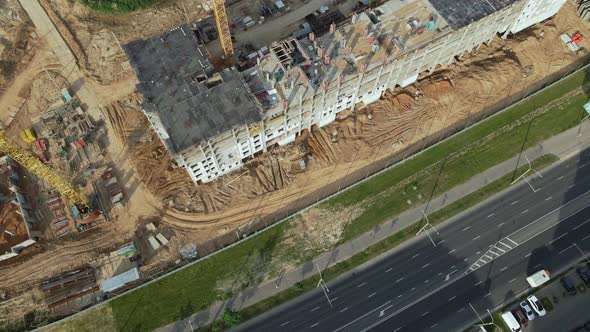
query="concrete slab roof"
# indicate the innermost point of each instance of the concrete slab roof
(460, 13)
(180, 87)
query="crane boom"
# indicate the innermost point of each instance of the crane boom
(223, 30)
(35, 166)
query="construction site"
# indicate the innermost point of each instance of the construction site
(140, 145)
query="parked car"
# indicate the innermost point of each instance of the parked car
(537, 306)
(520, 317)
(528, 311)
(510, 321)
(568, 285)
(584, 274)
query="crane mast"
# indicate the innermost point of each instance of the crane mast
(223, 30)
(35, 166)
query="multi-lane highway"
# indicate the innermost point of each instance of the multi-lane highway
(481, 260)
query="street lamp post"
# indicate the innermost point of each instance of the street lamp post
(424, 228)
(322, 284)
(581, 252)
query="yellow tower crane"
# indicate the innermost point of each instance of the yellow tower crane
(223, 30)
(35, 166)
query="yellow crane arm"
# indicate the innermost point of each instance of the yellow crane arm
(223, 29)
(35, 166)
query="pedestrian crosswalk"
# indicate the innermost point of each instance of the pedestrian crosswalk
(496, 250)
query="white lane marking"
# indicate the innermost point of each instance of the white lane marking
(433, 326)
(398, 280)
(465, 260)
(405, 307)
(504, 268)
(361, 285)
(571, 185)
(516, 201)
(557, 238)
(424, 314)
(439, 274)
(488, 294)
(504, 244)
(416, 255)
(477, 237)
(478, 283)
(493, 253)
(389, 269)
(334, 299)
(343, 310)
(509, 239)
(368, 313)
(382, 312)
(490, 215)
(498, 248)
(413, 289)
(582, 224)
(399, 296)
(452, 267)
(500, 224)
(511, 281)
(584, 238)
(488, 257)
(536, 266)
(525, 211)
(285, 323)
(314, 325)
(314, 309)
(477, 253)
(460, 309)
(548, 198)
(566, 249)
(527, 255)
(442, 241)
(581, 166)
(426, 281)
(399, 328)
(466, 228)
(559, 178)
(425, 265)
(371, 295)
(452, 298)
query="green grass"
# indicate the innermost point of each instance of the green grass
(118, 6)
(195, 288)
(450, 163)
(546, 302)
(384, 245)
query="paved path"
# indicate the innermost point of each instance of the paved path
(46, 29)
(562, 145)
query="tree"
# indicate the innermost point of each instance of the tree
(231, 317)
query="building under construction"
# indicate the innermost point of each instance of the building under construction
(212, 121)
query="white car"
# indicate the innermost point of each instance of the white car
(526, 308)
(537, 306)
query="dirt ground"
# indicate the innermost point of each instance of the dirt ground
(156, 188)
(17, 41)
(11, 221)
(401, 118)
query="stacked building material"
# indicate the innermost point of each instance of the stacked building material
(69, 285)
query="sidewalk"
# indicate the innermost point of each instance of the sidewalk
(564, 145)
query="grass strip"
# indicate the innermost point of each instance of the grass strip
(383, 246)
(118, 6)
(194, 288)
(463, 156)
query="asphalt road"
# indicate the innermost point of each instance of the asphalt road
(481, 259)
